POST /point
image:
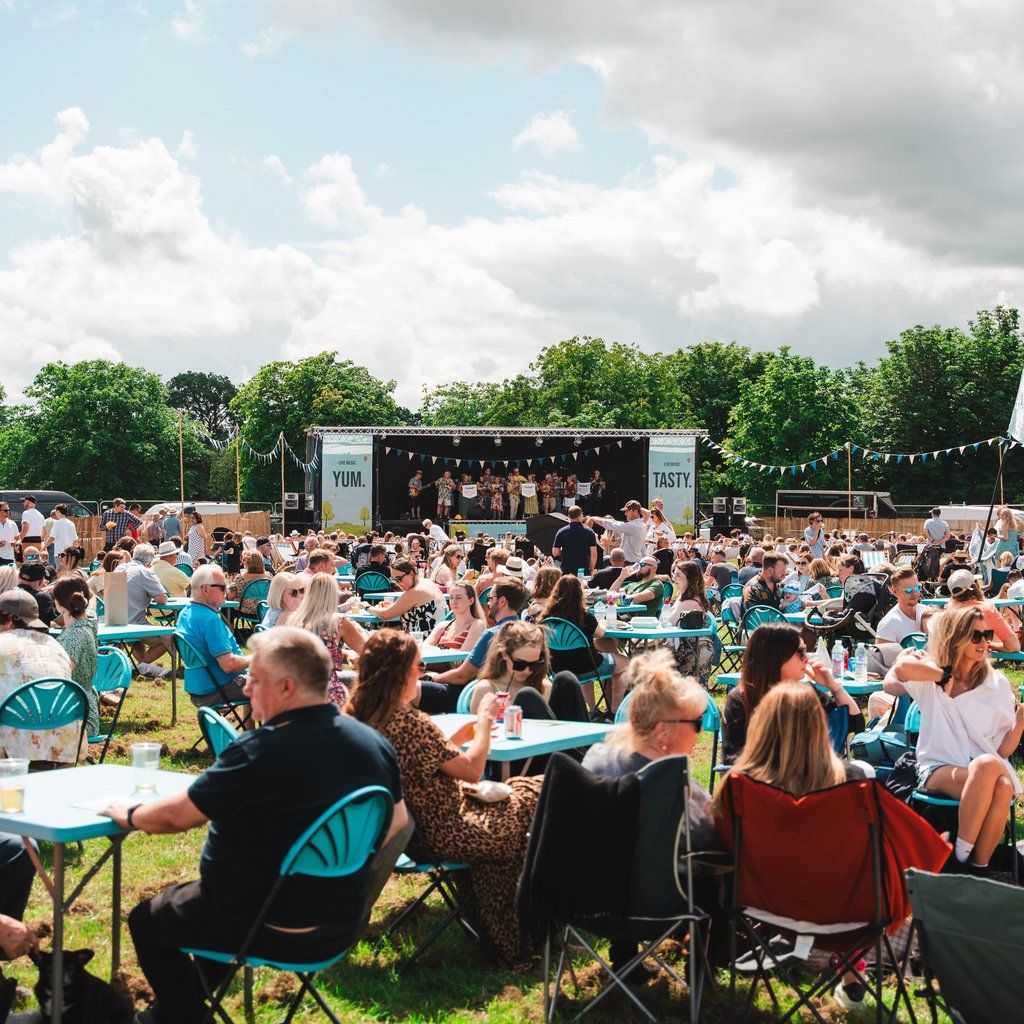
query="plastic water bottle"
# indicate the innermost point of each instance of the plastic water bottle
(665, 619)
(821, 652)
(860, 672)
(609, 614)
(599, 607)
(838, 659)
(579, 575)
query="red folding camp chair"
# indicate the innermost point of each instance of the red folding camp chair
(828, 866)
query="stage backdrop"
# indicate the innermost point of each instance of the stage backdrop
(672, 476)
(346, 496)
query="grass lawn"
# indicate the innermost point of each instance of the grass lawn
(452, 983)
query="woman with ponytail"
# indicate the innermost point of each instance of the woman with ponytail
(78, 637)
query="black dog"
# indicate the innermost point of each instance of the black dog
(87, 999)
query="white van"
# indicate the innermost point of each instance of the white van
(963, 517)
(204, 508)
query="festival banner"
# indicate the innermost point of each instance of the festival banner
(671, 476)
(583, 490)
(346, 497)
(468, 490)
(528, 490)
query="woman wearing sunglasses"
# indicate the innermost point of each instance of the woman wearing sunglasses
(970, 725)
(421, 606)
(519, 664)
(285, 595)
(446, 572)
(965, 592)
(775, 653)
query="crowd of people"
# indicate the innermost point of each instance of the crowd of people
(320, 689)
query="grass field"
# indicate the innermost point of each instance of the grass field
(452, 983)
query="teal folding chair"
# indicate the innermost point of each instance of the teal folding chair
(217, 730)
(915, 640)
(113, 672)
(192, 659)
(370, 583)
(732, 645)
(565, 636)
(185, 568)
(484, 595)
(338, 844)
(731, 590)
(465, 698)
(43, 705)
(256, 590)
(757, 615)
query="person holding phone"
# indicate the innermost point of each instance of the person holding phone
(814, 535)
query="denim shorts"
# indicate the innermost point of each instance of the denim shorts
(924, 773)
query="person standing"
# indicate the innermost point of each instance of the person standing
(633, 531)
(515, 483)
(119, 522)
(415, 490)
(1007, 530)
(171, 523)
(531, 504)
(32, 522)
(576, 545)
(936, 534)
(9, 534)
(196, 541)
(814, 535)
(445, 491)
(497, 497)
(153, 532)
(63, 533)
(597, 487)
(465, 500)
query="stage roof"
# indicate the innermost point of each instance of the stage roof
(501, 432)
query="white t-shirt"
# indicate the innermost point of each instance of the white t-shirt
(1016, 590)
(35, 521)
(954, 731)
(895, 625)
(633, 533)
(936, 529)
(8, 532)
(63, 534)
(438, 535)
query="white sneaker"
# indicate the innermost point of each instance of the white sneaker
(158, 671)
(143, 669)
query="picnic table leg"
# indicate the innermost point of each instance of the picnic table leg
(506, 768)
(115, 909)
(174, 683)
(56, 1007)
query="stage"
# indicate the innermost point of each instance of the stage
(362, 473)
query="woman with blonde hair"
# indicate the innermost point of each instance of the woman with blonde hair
(446, 571)
(318, 614)
(1007, 531)
(285, 595)
(971, 724)
(519, 665)
(111, 560)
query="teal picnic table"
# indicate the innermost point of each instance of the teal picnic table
(431, 655)
(53, 812)
(641, 636)
(540, 736)
(730, 680)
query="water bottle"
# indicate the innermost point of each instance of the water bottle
(860, 672)
(609, 613)
(579, 575)
(838, 659)
(599, 608)
(821, 652)
(666, 616)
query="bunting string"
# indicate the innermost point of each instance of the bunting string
(263, 458)
(536, 460)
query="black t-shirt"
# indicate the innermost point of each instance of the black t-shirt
(575, 542)
(265, 790)
(47, 613)
(665, 557)
(232, 557)
(721, 574)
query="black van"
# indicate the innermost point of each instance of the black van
(45, 500)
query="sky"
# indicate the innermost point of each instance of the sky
(437, 190)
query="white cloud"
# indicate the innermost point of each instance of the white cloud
(187, 146)
(550, 133)
(273, 164)
(382, 169)
(662, 258)
(59, 16)
(189, 23)
(267, 43)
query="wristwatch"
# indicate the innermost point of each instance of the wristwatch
(128, 815)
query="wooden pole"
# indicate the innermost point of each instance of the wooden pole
(1002, 496)
(181, 461)
(282, 482)
(849, 486)
(238, 469)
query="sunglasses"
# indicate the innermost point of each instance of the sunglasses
(295, 591)
(697, 723)
(912, 590)
(217, 586)
(802, 653)
(982, 634)
(519, 665)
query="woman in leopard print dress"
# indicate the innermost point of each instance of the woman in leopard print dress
(438, 779)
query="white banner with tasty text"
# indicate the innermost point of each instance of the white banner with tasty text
(672, 476)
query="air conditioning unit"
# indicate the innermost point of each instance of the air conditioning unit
(291, 499)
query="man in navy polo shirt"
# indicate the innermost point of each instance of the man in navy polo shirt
(201, 625)
(262, 793)
(576, 545)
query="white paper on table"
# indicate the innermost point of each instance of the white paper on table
(100, 803)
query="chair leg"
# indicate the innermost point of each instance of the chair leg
(311, 988)
(250, 1013)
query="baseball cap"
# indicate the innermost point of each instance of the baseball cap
(23, 606)
(32, 572)
(960, 582)
(632, 506)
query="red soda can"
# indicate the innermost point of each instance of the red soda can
(503, 702)
(513, 722)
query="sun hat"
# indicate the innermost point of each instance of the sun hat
(514, 567)
(168, 547)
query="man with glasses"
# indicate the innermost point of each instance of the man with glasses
(905, 618)
(9, 533)
(200, 623)
(814, 535)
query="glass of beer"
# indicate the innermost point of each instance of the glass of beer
(13, 773)
(146, 763)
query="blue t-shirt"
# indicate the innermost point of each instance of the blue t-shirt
(817, 547)
(478, 655)
(208, 633)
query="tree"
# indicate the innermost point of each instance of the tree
(294, 396)
(100, 429)
(205, 397)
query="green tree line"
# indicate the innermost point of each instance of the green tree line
(99, 428)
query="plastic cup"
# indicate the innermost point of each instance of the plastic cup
(13, 774)
(418, 635)
(146, 764)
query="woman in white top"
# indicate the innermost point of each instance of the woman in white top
(970, 725)
(659, 526)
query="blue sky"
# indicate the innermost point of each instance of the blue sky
(438, 190)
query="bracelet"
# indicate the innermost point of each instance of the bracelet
(128, 816)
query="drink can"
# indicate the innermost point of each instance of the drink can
(513, 722)
(503, 703)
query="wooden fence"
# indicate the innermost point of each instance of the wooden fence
(791, 526)
(91, 534)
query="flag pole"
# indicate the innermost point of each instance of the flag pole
(282, 483)
(238, 469)
(995, 490)
(849, 487)
(181, 459)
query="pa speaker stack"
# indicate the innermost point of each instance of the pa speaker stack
(729, 513)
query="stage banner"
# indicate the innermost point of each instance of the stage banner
(347, 481)
(583, 490)
(469, 490)
(528, 490)
(672, 476)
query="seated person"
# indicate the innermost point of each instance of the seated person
(765, 587)
(438, 779)
(261, 794)
(519, 665)
(422, 605)
(462, 632)
(604, 578)
(566, 602)
(446, 572)
(965, 593)
(285, 595)
(641, 585)
(775, 653)
(788, 747)
(144, 588)
(201, 625)
(543, 585)
(693, 655)
(970, 725)
(664, 719)
(32, 580)
(16, 939)
(378, 561)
